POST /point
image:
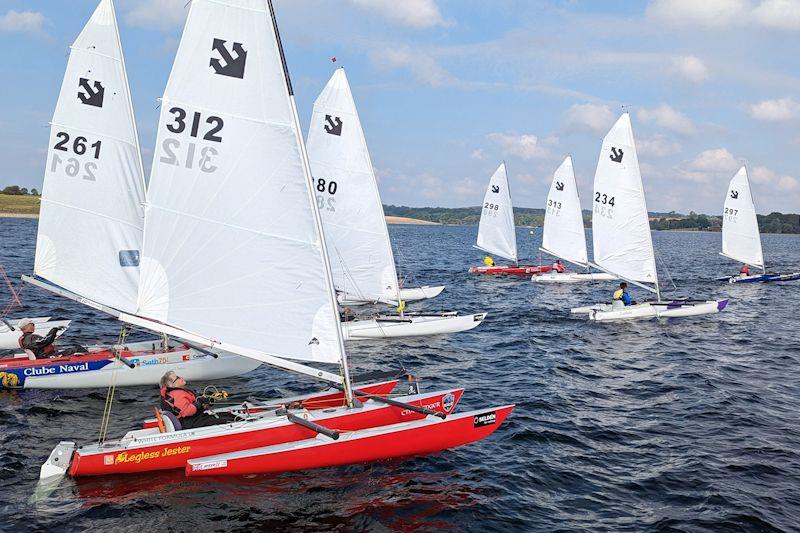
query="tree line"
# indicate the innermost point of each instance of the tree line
(16, 190)
(772, 223)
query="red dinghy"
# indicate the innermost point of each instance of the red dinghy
(152, 449)
(508, 270)
(406, 439)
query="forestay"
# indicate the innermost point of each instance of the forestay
(620, 225)
(496, 231)
(90, 223)
(347, 197)
(741, 240)
(233, 247)
(563, 234)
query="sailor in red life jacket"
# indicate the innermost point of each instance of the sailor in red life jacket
(559, 267)
(41, 347)
(744, 271)
(188, 406)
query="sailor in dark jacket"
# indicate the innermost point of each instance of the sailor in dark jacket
(40, 346)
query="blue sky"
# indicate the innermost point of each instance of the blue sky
(447, 89)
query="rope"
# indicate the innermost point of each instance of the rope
(106, 418)
(666, 271)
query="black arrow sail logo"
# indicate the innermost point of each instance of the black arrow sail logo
(495, 188)
(559, 185)
(233, 67)
(734, 194)
(334, 125)
(91, 93)
(616, 154)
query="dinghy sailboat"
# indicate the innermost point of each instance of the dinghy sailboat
(496, 230)
(563, 235)
(90, 225)
(229, 125)
(623, 244)
(350, 205)
(10, 333)
(741, 239)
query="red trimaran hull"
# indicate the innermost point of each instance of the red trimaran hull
(521, 270)
(420, 437)
(163, 451)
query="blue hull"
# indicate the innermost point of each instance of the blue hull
(765, 278)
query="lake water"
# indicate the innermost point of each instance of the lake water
(690, 424)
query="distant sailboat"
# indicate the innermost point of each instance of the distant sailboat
(741, 240)
(623, 244)
(563, 235)
(362, 262)
(497, 232)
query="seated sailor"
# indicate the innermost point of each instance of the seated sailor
(621, 295)
(41, 347)
(744, 271)
(187, 405)
(488, 261)
(559, 267)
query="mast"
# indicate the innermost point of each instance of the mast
(347, 385)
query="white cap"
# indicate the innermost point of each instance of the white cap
(25, 322)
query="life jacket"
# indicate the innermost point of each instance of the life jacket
(618, 294)
(745, 270)
(488, 261)
(168, 396)
(558, 267)
(38, 352)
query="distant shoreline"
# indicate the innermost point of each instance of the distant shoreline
(18, 215)
(407, 220)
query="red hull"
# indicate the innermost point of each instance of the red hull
(405, 440)
(522, 270)
(311, 402)
(171, 453)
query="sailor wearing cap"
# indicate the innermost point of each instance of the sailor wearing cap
(40, 346)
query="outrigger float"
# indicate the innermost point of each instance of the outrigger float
(284, 317)
(497, 233)
(623, 244)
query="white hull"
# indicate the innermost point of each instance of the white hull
(412, 294)
(9, 340)
(572, 277)
(410, 326)
(664, 309)
(190, 364)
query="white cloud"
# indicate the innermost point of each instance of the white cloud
(788, 183)
(412, 13)
(691, 68)
(779, 14)
(468, 188)
(721, 14)
(156, 14)
(668, 118)
(522, 146)
(477, 154)
(422, 67)
(657, 145)
(717, 160)
(762, 175)
(589, 118)
(432, 187)
(702, 13)
(776, 110)
(22, 21)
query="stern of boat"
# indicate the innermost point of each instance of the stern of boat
(57, 465)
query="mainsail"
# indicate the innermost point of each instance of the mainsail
(348, 199)
(90, 224)
(563, 234)
(741, 240)
(496, 231)
(621, 235)
(233, 246)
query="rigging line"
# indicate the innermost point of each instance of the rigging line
(666, 270)
(106, 418)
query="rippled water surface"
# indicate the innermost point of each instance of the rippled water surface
(691, 424)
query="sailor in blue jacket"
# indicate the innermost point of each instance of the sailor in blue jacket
(622, 294)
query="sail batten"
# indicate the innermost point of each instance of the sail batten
(621, 235)
(348, 198)
(563, 234)
(89, 236)
(233, 247)
(741, 239)
(496, 230)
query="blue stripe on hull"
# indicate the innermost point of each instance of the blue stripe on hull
(15, 378)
